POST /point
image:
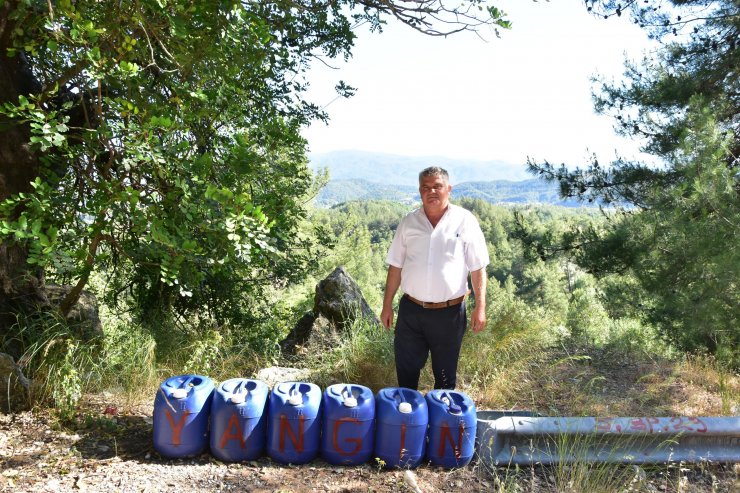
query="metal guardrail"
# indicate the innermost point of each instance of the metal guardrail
(523, 438)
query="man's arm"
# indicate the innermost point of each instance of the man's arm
(478, 319)
(392, 282)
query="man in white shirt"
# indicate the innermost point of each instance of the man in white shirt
(433, 250)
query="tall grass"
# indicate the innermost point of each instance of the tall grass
(496, 361)
(128, 364)
(362, 354)
(59, 365)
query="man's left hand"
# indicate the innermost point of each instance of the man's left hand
(478, 319)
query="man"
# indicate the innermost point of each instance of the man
(433, 250)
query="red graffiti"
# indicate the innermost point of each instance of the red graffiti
(236, 435)
(652, 425)
(335, 437)
(604, 424)
(651, 422)
(688, 424)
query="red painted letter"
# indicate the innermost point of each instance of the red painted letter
(335, 437)
(401, 448)
(445, 433)
(285, 427)
(236, 435)
(176, 428)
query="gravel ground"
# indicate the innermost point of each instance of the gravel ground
(110, 450)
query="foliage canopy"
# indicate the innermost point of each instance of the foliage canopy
(678, 224)
(158, 141)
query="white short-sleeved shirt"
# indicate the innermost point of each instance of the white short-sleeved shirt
(435, 261)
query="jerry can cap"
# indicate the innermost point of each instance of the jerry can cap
(238, 398)
(180, 393)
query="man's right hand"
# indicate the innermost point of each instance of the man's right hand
(392, 282)
(386, 317)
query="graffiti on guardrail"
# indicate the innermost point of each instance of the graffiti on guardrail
(675, 424)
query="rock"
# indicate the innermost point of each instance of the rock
(338, 302)
(339, 299)
(299, 335)
(15, 388)
(319, 334)
(410, 478)
(276, 374)
(84, 314)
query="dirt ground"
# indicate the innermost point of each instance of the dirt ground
(110, 449)
(108, 446)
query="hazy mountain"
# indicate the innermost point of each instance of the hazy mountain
(338, 191)
(497, 192)
(526, 191)
(403, 170)
(357, 175)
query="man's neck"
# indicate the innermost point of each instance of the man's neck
(435, 214)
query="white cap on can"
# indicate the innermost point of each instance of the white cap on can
(180, 393)
(405, 408)
(238, 398)
(295, 399)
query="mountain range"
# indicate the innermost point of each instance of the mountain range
(358, 175)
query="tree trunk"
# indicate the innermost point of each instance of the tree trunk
(21, 287)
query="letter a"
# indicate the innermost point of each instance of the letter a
(236, 435)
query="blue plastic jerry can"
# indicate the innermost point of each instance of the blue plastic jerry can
(182, 409)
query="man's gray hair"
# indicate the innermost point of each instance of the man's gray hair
(434, 171)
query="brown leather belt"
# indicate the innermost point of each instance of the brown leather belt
(434, 306)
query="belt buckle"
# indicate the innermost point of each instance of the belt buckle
(424, 304)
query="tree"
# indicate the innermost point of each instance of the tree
(678, 224)
(158, 140)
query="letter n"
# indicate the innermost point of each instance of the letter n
(285, 428)
(446, 435)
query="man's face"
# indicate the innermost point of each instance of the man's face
(434, 191)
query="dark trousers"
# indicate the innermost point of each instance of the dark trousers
(420, 331)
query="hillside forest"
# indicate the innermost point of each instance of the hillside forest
(150, 154)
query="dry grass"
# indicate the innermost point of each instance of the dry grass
(594, 382)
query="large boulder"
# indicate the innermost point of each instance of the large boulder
(84, 315)
(15, 388)
(337, 304)
(339, 299)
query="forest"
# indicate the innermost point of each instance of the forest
(151, 155)
(159, 217)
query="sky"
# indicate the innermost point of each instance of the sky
(525, 94)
